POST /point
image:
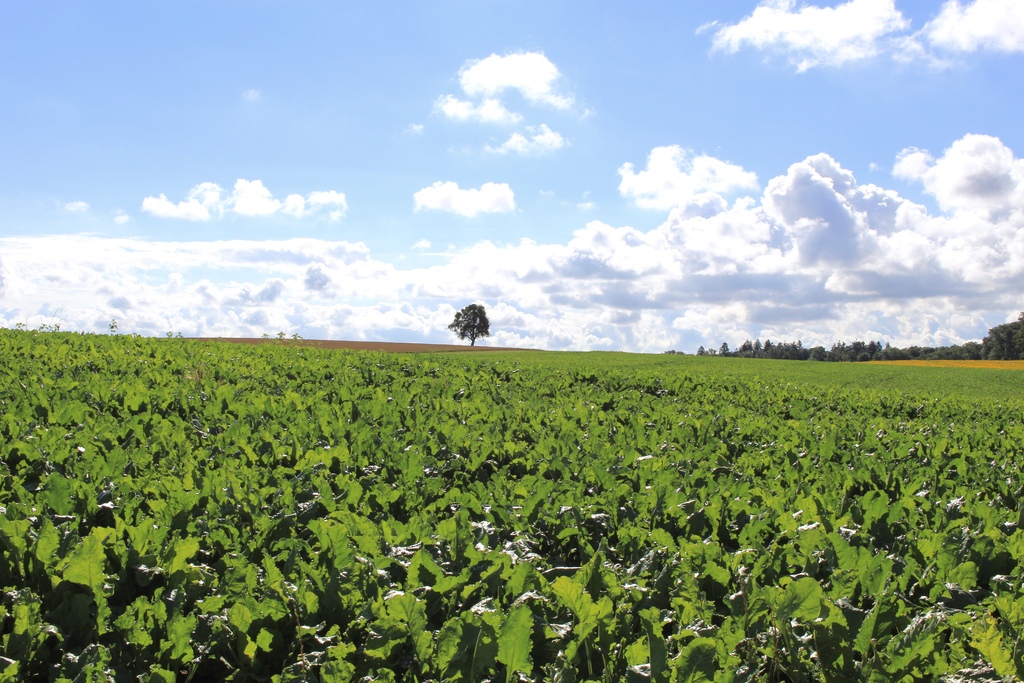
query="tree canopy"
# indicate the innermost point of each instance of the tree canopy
(471, 322)
(1003, 342)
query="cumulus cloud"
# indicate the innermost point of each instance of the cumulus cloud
(120, 303)
(817, 256)
(77, 207)
(976, 173)
(488, 111)
(202, 203)
(536, 140)
(724, 243)
(252, 198)
(299, 206)
(485, 81)
(814, 36)
(248, 198)
(317, 280)
(448, 196)
(983, 24)
(329, 198)
(810, 36)
(268, 293)
(813, 202)
(532, 74)
(676, 177)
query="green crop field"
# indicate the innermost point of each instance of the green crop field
(175, 510)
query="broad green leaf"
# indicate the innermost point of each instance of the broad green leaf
(480, 639)
(47, 544)
(337, 669)
(801, 600)
(914, 645)
(337, 672)
(515, 642)
(653, 623)
(158, 675)
(182, 550)
(58, 494)
(179, 634)
(8, 670)
(987, 639)
(875, 631)
(265, 640)
(13, 535)
(696, 663)
(409, 611)
(571, 594)
(86, 565)
(448, 640)
(26, 634)
(240, 617)
(250, 648)
(423, 571)
(637, 652)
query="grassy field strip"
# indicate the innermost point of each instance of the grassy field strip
(967, 364)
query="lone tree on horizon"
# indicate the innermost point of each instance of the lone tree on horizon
(471, 322)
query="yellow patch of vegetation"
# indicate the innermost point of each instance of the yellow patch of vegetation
(992, 364)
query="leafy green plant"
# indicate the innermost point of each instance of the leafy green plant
(181, 510)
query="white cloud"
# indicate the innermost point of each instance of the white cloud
(488, 111)
(976, 173)
(251, 95)
(912, 163)
(530, 73)
(675, 177)
(330, 198)
(815, 36)
(202, 202)
(414, 129)
(586, 203)
(327, 198)
(294, 205)
(817, 204)
(317, 279)
(537, 140)
(266, 293)
(121, 218)
(448, 196)
(422, 244)
(817, 257)
(726, 243)
(248, 198)
(77, 207)
(252, 198)
(982, 24)
(485, 81)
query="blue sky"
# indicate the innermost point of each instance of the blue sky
(641, 177)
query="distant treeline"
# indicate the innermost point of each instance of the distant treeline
(1003, 342)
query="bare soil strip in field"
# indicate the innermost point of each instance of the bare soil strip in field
(392, 347)
(990, 364)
